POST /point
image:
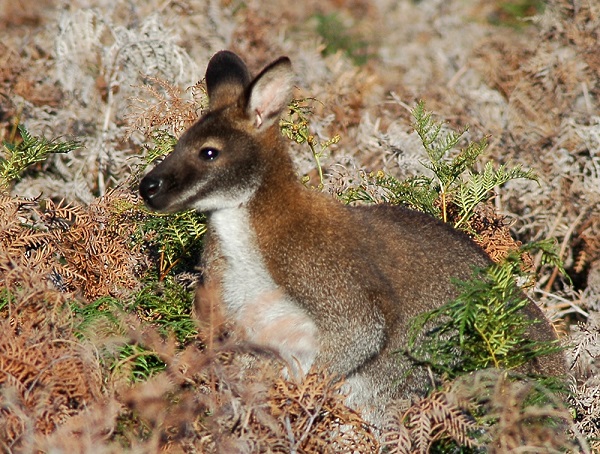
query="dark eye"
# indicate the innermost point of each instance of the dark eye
(209, 154)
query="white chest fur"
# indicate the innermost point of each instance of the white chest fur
(267, 315)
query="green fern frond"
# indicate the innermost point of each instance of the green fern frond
(428, 131)
(174, 239)
(455, 189)
(142, 364)
(549, 254)
(466, 157)
(482, 327)
(183, 229)
(417, 193)
(104, 311)
(438, 147)
(163, 142)
(479, 186)
(167, 304)
(32, 149)
(104, 319)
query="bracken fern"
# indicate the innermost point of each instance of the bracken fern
(480, 328)
(30, 150)
(478, 187)
(455, 190)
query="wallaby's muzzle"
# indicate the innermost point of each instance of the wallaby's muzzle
(150, 188)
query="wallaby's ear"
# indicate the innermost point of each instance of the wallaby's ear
(270, 92)
(226, 78)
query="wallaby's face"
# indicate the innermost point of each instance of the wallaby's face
(213, 166)
(220, 161)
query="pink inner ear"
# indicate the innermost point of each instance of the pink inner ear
(259, 119)
(270, 94)
(266, 101)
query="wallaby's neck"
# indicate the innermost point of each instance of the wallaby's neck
(281, 196)
(248, 277)
(279, 202)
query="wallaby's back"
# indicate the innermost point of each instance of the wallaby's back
(324, 284)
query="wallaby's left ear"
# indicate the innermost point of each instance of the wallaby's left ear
(270, 92)
(226, 79)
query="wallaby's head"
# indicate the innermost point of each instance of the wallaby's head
(221, 160)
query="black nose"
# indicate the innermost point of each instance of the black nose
(150, 187)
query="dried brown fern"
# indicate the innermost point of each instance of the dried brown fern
(587, 243)
(313, 415)
(436, 417)
(74, 246)
(547, 99)
(46, 375)
(585, 365)
(168, 108)
(493, 234)
(509, 417)
(576, 24)
(562, 72)
(232, 398)
(89, 431)
(499, 58)
(396, 438)
(485, 410)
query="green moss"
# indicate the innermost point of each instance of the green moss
(513, 13)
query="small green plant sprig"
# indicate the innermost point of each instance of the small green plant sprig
(514, 13)
(548, 252)
(30, 150)
(449, 167)
(163, 143)
(481, 328)
(296, 127)
(105, 318)
(166, 305)
(173, 239)
(415, 192)
(455, 189)
(478, 187)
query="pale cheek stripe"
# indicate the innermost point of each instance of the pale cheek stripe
(186, 198)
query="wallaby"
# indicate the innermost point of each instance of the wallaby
(323, 284)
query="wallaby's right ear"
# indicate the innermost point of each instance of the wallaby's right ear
(270, 92)
(226, 78)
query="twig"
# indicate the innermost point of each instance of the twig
(565, 302)
(563, 248)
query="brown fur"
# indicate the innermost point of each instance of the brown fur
(336, 286)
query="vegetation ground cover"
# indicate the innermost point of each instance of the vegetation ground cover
(101, 348)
